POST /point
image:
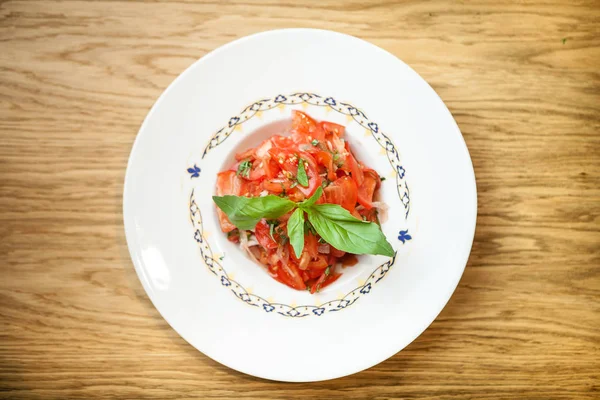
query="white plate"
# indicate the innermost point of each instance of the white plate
(228, 307)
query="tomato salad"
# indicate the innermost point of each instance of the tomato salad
(314, 160)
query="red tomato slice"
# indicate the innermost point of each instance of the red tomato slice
(291, 270)
(227, 184)
(288, 161)
(314, 272)
(263, 235)
(248, 154)
(342, 191)
(330, 279)
(319, 262)
(352, 166)
(305, 125)
(310, 245)
(282, 142)
(325, 159)
(330, 127)
(367, 189)
(277, 185)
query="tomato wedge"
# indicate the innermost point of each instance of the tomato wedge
(325, 159)
(288, 161)
(330, 127)
(352, 166)
(342, 191)
(305, 125)
(277, 185)
(292, 275)
(263, 235)
(371, 182)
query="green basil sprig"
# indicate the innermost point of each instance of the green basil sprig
(332, 222)
(301, 175)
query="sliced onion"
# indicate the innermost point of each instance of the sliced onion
(243, 238)
(382, 209)
(283, 254)
(304, 260)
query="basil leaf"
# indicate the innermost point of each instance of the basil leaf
(244, 168)
(344, 232)
(295, 228)
(301, 175)
(245, 212)
(313, 199)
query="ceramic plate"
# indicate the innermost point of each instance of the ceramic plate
(228, 307)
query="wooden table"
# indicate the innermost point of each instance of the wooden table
(522, 80)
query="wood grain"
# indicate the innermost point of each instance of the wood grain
(77, 79)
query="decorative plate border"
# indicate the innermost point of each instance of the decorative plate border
(315, 100)
(215, 265)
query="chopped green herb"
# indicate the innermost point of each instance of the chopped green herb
(337, 159)
(294, 184)
(244, 168)
(272, 224)
(221, 258)
(382, 178)
(314, 142)
(301, 176)
(233, 233)
(327, 270)
(564, 40)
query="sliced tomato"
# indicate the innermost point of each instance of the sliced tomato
(294, 194)
(317, 285)
(318, 262)
(282, 142)
(314, 272)
(248, 154)
(342, 191)
(288, 161)
(331, 127)
(369, 215)
(227, 184)
(352, 166)
(366, 191)
(325, 159)
(293, 274)
(257, 172)
(271, 168)
(277, 185)
(262, 150)
(310, 245)
(305, 125)
(263, 235)
(330, 279)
